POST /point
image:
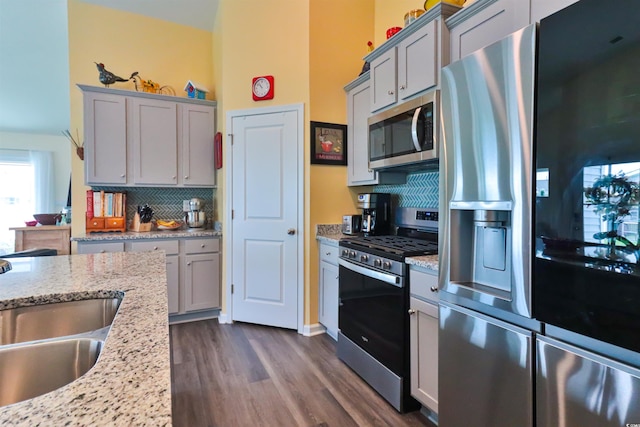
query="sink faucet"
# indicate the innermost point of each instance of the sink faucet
(4, 266)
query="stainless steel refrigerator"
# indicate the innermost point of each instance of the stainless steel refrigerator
(487, 334)
(586, 224)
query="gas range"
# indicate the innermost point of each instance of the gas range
(417, 234)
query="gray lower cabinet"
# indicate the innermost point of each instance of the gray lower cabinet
(423, 330)
(173, 283)
(328, 289)
(193, 269)
(100, 247)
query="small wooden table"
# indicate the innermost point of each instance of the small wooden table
(44, 236)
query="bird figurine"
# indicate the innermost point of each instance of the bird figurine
(107, 77)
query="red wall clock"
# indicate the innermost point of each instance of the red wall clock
(262, 88)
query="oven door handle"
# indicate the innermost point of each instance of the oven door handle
(387, 278)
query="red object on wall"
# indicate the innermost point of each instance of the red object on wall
(217, 146)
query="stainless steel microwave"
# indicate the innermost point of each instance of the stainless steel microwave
(405, 134)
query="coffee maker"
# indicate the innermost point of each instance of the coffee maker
(194, 214)
(376, 213)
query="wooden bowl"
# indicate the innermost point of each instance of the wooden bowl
(47, 219)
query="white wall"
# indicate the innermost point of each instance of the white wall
(60, 146)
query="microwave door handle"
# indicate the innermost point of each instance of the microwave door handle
(414, 129)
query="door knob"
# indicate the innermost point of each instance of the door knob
(291, 231)
(412, 311)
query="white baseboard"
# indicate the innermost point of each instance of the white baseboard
(223, 318)
(311, 330)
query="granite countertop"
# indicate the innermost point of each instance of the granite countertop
(158, 234)
(131, 382)
(429, 262)
(330, 233)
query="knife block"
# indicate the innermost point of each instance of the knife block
(140, 227)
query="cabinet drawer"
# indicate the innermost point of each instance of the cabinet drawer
(424, 285)
(199, 246)
(169, 246)
(97, 248)
(329, 253)
(116, 222)
(95, 223)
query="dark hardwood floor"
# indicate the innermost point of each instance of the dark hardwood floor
(250, 375)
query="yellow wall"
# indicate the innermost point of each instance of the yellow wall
(167, 53)
(339, 31)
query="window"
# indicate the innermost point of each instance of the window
(27, 189)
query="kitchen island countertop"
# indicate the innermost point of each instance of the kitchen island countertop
(130, 384)
(158, 234)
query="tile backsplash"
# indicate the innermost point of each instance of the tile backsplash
(165, 202)
(420, 191)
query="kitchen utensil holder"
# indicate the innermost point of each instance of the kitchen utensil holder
(140, 227)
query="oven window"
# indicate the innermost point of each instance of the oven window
(372, 314)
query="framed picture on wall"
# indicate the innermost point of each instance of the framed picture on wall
(328, 144)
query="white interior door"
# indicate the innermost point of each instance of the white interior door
(265, 224)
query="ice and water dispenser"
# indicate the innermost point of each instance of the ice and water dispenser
(481, 250)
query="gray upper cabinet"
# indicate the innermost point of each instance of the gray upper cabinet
(543, 8)
(105, 134)
(142, 139)
(154, 141)
(358, 171)
(484, 22)
(198, 126)
(409, 62)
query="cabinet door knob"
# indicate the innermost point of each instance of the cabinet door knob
(390, 92)
(291, 231)
(189, 263)
(328, 253)
(186, 177)
(434, 289)
(173, 177)
(411, 311)
(402, 87)
(102, 251)
(155, 248)
(122, 176)
(202, 245)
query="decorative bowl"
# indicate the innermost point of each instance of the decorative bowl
(47, 219)
(31, 223)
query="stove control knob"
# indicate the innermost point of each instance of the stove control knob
(386, 265)
(377, 263)
(345, 252)
(352, 254)
(364, 258)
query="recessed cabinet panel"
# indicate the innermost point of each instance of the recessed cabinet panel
(417, 61)
(384, 77)
(202, 282)
(358, 108)
(198, 128)
(424, 352)
(155, 142)
(488, 25)
(105, 129)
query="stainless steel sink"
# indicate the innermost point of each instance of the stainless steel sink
(56, 319)
(29, 370)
